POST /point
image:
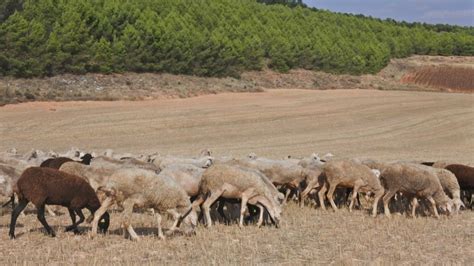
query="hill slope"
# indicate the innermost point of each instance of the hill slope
(205, 38)
(138, 86)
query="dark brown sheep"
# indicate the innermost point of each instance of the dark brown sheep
(56, 163)
(465, 177)
(43, 186)
(464, 174)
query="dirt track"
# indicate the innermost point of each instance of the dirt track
(347, 123)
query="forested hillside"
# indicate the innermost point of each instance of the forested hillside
(204, 38)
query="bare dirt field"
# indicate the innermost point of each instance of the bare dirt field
(449, 78)
(347, 123)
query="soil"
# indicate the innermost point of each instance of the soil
(146, 86)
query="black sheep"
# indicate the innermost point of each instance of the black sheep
(56, 163)
(43, 186)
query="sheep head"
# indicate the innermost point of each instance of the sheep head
(208, 161)
(458, 204)
(315, 156)
(447, 206)
(376, 172)
(252, 156)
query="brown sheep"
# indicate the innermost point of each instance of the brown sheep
(55, 163)
(349, 174)
(43, 186)
(282, 173)
(414, 181)
(235, 182)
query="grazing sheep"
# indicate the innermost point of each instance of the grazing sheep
(465, 176)
(8, 177)
(451, 187)
(283, 173)
(140, 188)
(235, 182)
(56, 163)
(203, 162)
(374, 164)
(73, 153)
(438, 164)
(187, 175)
(313, 180)
(414, 181)
(252, 156)
(349, 174)
(15, 162)
(449, 183)
(43, 186)
(96, 176)
(312, 161)
(108, 162)
(205, 152)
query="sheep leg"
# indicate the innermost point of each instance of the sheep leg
(50, 211)
(206, 206)
(220, 210)
(305, 193)
(287, 195)
(355, 193)
(386, 200)
(378, 195)
(40, 216)
(16, 212)
(260, 216)
(158, 224)
(414, 204)
(332, 188)
(243, 208)
(75, 224)
(98, 214)
(433, 205)
(73, 219)
(321, 195)
(126, 217)
(176, 217)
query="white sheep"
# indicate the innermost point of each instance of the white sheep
(131, 188)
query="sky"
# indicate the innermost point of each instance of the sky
(457, 12)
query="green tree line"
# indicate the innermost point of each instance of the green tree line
(205, 38)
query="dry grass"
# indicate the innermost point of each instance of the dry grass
(307, 236)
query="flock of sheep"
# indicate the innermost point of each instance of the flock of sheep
(182, 188)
